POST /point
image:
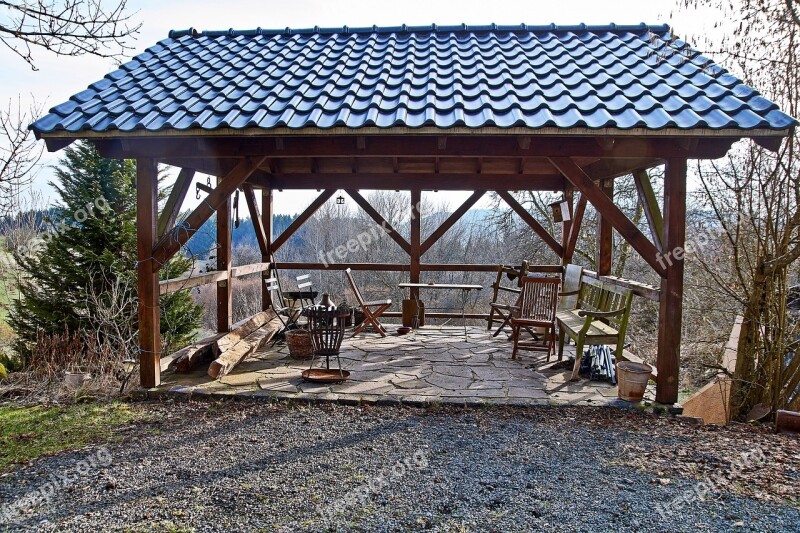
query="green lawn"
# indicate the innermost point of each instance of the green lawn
(30, 432)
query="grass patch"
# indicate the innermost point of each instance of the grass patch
(30, 432)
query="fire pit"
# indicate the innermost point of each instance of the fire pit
(326, 324)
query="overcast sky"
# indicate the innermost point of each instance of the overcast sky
(58, 78)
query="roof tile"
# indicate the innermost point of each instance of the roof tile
(611, 76)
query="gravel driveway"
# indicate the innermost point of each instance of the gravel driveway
(245, 467)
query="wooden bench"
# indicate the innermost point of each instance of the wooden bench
(600, 318)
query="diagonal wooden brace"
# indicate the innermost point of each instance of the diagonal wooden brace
(532, 222)
(606, 207)
(171, 242)
(390, 231)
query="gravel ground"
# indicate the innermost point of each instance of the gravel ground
(244, 467)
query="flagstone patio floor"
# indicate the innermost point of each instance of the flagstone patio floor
(433, 365)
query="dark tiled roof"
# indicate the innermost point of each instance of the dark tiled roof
(536, 77)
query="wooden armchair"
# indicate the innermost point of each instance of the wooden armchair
(372, 310)
(537, 309)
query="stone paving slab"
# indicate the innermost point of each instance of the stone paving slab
(430, 366)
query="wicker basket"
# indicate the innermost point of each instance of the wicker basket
(299, 342)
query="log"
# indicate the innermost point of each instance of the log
(228, 360)
(240, 330)
(191, 357)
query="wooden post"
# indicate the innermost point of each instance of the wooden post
(149, 312)
(605, 236)
(224, 288)
(416, 240)
(566, 226)
(266, 221)
(671, 303)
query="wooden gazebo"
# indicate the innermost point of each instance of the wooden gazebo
(489, 108)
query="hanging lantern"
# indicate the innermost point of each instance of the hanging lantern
(340, 200)
(560, 211)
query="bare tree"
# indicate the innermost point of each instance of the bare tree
(67, 27)
(753, 198)
(19, 152)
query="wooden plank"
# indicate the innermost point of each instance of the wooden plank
(671, 306)
(224, 262)
(378, 218)
(301, 219)
(267, 223)
(147, 274)
(405, 181)
(175, 200)
(416, 237)
(244, 270)
(171, 242)
(399, 145)
(450, 221)
(614, 168)
(532, 222)
(575, 229)
(470, 316)
(387, 267)
(241, 330)
(605, 235)
(606, 207)
(255, 218)
(191, 280)
(647, 197)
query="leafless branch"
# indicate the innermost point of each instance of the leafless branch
(66, 27)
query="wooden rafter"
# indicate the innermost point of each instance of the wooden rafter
(575, 229)
(171, 242)
(255, 217)
(176, 197)
(534, 224)
(606, 208)
(650, 206)
(378, 218)
(450, 221)
(301, 219)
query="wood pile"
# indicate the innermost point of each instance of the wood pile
(245, 338)
(225, 350)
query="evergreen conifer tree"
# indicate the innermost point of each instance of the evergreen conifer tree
(90, 248)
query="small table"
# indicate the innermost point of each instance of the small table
(451, 286)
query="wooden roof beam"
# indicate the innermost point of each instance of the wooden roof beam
(414, 146)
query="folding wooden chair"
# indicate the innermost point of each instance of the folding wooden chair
(500, 311)
(372, 310)
(537, 309)
(286, 314)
